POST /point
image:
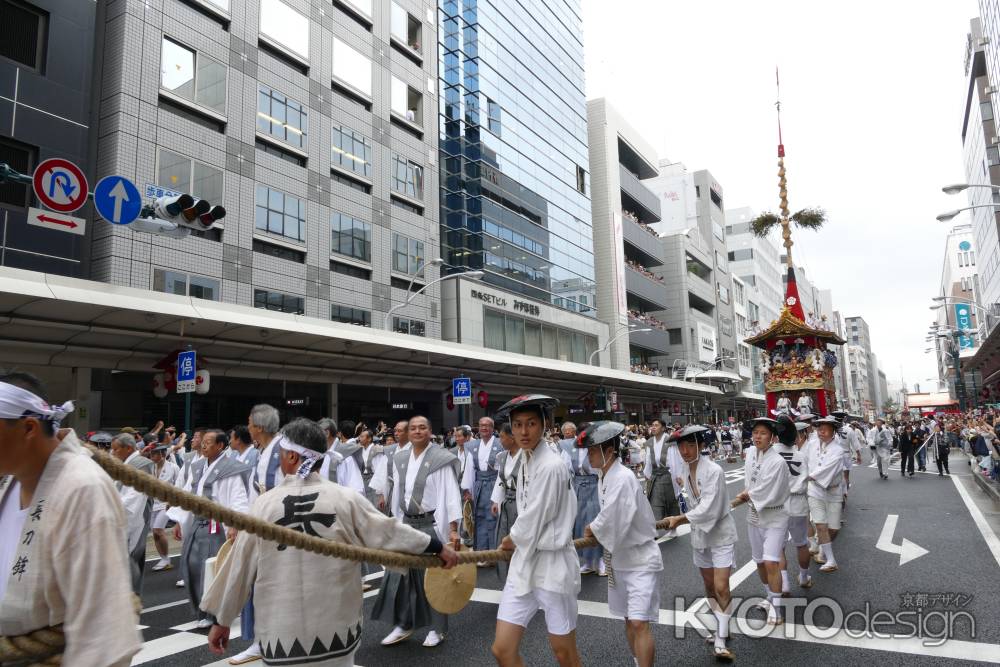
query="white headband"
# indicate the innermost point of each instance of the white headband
(310, 455)
(16, 403)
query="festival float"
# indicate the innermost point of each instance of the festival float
(797, 361)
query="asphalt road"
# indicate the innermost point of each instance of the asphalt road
(953, 584)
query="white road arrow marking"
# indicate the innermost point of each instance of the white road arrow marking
(907, 550)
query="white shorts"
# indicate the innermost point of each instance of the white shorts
(822, 511)
(767, 543)
(848, 461)
(724, 556)
(158, 519)
(635, 596)
(798, 530)
(560, 609)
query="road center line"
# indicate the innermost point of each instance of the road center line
(977, 516)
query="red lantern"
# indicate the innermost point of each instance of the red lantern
(483, 399)
(450, 402)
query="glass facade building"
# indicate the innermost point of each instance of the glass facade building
(515, 191)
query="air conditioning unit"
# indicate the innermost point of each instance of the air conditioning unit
(990, 90)
(982, 41)
(994, 140)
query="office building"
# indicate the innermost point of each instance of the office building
(693, 201)
(863, 371)
(757, 262)
(956, 309)
(515, 181)
(46, 71)
(627, 249)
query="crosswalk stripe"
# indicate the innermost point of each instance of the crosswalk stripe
(734, 580)
(166, 605)
(155, 649)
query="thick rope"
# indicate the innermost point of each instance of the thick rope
(206, 509)
(44, 646)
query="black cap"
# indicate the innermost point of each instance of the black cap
(598, 433)
(786, 430)
(545, 403)
(771, 424)
(694, 432)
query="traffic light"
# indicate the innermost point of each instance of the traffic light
(189, 212)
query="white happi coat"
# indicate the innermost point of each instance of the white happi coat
(826, 463)
(766, 478)
(795, 458)
(168, 473)
(543, 533)
(70, 566)
(308, 603)
(625, 525)
(712, 525)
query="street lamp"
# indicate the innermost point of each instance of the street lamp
(959, 187)
(472, 275)
(627, 330)
(945, 217)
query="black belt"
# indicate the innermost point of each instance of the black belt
(425, 515)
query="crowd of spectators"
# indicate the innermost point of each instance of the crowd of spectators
(648, 320)
(643, 270)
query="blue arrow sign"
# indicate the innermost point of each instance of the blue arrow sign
(117, 200)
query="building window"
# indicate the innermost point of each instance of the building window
(279, 251)
(512, 333)
(407, 178)
(22, 33)
(715, 197)
(351, 237)
(281, 214)
(182, 174)
(284, 26)
(408, 326)
(22, 158)
(407, 254)
(986, 110)
(407, 102)
(285, 303)
(192, 76)
(972, 258)
(185, 284)
(362, 8)
(352, 68)
(992, 156)
(350, 270)
(281, 117)
(675, 336)
(349, 315)
(405, 28)
(581, 180)
(352, 151)
(493, 120)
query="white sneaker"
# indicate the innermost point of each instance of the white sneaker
(204, 623)
(249, 655)
(162, 564)
(433, 639)
(397, 635)
(180, 583)
(586, 570)
(602, 569)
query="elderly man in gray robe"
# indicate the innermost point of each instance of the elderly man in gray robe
(138, 506)
(297, 620)
(221, 479)
(62, 534)
(480, 477)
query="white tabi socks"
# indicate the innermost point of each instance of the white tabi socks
(785, 587)
(827, 550)
(722, 634)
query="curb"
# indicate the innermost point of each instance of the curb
(988, 486)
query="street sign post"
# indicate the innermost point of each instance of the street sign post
(57, 221)
(60, 185)
(461, 391)
(117, 200)
(186, 371)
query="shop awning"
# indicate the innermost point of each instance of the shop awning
(53, 320)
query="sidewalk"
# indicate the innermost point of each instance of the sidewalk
(991, 488)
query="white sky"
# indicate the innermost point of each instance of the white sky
(872, 98)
